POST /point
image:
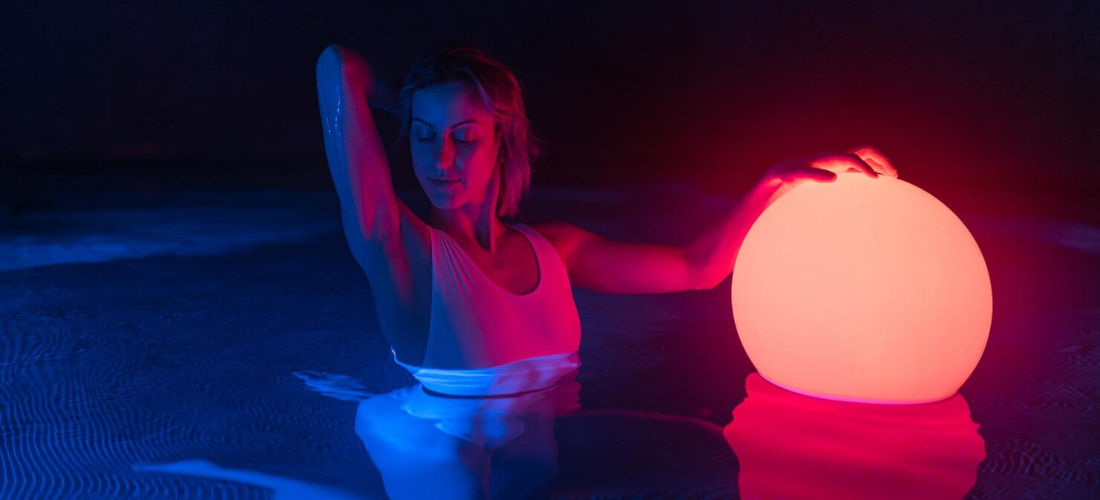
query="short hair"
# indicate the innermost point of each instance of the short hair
(501, 93)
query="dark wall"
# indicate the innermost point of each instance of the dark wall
(995, 94)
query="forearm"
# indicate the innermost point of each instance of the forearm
(711, 255)
(353, 147)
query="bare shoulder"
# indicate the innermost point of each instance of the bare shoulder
(564, 236)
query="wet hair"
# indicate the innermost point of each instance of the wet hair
(501, 93)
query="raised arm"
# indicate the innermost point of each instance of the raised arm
(389, 242)
(356, 157)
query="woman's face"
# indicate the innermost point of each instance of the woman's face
(454, 147)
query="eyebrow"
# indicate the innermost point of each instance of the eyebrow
(415, 119)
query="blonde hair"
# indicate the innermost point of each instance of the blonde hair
(501, 92)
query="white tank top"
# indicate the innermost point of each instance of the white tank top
(483, 339)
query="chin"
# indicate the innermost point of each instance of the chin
(447, 202)
(454, 200)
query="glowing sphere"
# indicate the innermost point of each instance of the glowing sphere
(862, 290)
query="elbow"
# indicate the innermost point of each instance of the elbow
(329, 60)
(703, 272)
(706, 279)
(708, 283)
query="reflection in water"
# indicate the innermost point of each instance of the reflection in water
(435, 446)
(430, 445)
(795, 446)
(282, 488)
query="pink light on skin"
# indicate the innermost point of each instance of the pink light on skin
(862, 289)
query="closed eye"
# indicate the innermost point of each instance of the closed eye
(465, 136)
(422, 131)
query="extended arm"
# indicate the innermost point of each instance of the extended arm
(713, 252)
(600, 264)
(387, 240)
(610, 266)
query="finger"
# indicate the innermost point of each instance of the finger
(881, 159)
(878, 167)
(859, 165)
(844, 162)
(876, 158)
(806, 173)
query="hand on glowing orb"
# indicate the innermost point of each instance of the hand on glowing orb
(824, 167)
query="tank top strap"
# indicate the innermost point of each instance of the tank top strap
(451, 262)
(448, 254)
(449, 259)
(549, 259)
(544, 250)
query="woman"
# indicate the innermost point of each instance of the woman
(462, 295)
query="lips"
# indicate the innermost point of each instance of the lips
(445, 182)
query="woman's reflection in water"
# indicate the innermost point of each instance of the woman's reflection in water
(430, 445)
(795, 446)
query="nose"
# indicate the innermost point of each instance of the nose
(446, 156)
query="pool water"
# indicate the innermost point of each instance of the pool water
(224, 345)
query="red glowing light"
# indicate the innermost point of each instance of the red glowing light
(862, 289)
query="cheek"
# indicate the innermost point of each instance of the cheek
(421, 159)
(482, 160)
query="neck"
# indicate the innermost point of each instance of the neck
(473, 221)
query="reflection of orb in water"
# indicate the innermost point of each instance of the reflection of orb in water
(792, 446)
(862, 289)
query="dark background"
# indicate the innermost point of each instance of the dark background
(990, 97)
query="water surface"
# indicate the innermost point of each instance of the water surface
(224, 345)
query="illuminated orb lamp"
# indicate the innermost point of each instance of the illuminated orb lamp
(862, 289)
